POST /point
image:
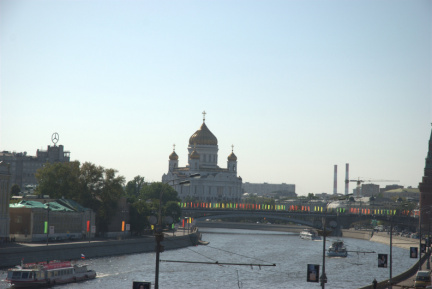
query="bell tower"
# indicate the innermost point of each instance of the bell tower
(425, 187)
(232, 161)
(173, 160)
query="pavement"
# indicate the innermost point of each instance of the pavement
(401, 242)
(409, 283)
(178, 232)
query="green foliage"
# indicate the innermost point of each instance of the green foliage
(139, 211)
(15, 190)
(253, 199)
(152, 193)
(133, 187)
(311, 196)
(90, 185)
(155, 191)
(173, 209)
(58, 180)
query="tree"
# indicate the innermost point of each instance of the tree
(133, 187)
(254, 199)
(173, 209)
(90, 185)
(152, 193)
(139, 211)
(59, 180)
(15, 190)
(311, 196)
(104, 189)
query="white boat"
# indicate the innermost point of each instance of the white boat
(309, 234)
(51, 273)
(337, 249)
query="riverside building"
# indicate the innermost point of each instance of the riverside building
(4, 201)
(23, 167)
(215, 184)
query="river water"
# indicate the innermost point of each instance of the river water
(290, 254)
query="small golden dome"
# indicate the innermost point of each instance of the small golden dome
(203, 136)
(194, 155)
(173, 156)
(232, 157)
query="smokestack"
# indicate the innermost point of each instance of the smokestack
(346, 178)
(335, 180)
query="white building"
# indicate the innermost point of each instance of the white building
(215, 184)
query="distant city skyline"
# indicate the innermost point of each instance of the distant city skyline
(296, 86)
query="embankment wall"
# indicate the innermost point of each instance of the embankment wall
(11, 256)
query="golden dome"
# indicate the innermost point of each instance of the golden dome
(194, 155)
(203, 136)
(173, 156)
(232, 157)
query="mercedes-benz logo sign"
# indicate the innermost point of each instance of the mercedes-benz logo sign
(55, 138)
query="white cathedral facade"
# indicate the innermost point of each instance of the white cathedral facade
(215, 184)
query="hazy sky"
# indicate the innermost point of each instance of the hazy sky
(296, 86)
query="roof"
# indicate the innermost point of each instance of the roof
(423, 273)
(28, 204)
(71, 205)
(53, 206)
(203, 136)
(403, 190)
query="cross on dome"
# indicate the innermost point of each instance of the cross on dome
(173, 147)
(204, 113)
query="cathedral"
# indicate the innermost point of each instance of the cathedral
(214, 184)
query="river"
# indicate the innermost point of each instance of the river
(290, 254)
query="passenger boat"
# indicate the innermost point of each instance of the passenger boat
(308, 234)
(48, 273)
(337, 249)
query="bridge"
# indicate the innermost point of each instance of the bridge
(335, 221)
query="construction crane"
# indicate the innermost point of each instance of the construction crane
(359, 182)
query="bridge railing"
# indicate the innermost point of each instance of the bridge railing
(321, 208)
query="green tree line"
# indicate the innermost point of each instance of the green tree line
(101, 189)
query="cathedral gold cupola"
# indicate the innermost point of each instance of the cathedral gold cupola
(203, 136)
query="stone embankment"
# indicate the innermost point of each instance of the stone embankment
(381, 237)
(12, 255)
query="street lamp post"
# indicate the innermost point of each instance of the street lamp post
(391, 252)
(158, 228)
(124, 211)
(323, 278)
(90, 226)
(173, 213)
(47, 226)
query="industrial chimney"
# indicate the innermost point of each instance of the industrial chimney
(335, 181)
(346, 178)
